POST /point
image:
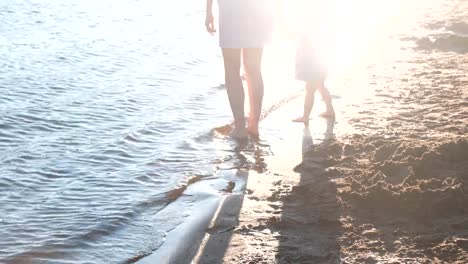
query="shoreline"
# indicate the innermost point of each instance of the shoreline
(386, 183)
(391, 185)
(315, 201)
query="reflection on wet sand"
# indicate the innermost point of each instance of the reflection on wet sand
(307, 141)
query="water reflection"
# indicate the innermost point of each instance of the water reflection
(328, 136)
(246, 155)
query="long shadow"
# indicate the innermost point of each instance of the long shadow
(309, 228)
(226, 218)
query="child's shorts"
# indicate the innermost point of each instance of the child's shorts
(310, 62)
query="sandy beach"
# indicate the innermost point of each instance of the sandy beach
(386, 183)
(394, 195)
(114, 131)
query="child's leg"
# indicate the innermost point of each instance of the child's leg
(308, 103)
(330, 112)
(309, 100)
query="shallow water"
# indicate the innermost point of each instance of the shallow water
(107, 113)
(101, 106)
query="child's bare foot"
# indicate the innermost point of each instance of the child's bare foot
(328, 114)
(238, 133)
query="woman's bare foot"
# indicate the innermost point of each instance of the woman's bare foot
(253, 132)
(237, 133)
(302, 120)
(328, 114)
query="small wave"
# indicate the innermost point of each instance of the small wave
(226, 129)
(277, 105)
(220, 87)
(59, 249)
(223, 130)
(205, 137)
(104, 227)
(6, 137)
(176, 193)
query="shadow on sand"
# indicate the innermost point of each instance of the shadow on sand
(309, 227)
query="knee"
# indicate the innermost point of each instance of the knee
(311, 87)
(232, 75)
(252, 70)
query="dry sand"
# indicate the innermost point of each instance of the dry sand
(393, 190)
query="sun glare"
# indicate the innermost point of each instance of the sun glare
(349, 30)
(352, 33)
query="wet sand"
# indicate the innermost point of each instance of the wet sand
(385, 197)
(387, 183)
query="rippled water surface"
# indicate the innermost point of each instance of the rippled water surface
(103, 110)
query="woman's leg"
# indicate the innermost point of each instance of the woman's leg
(235, 91)
(252, 59)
